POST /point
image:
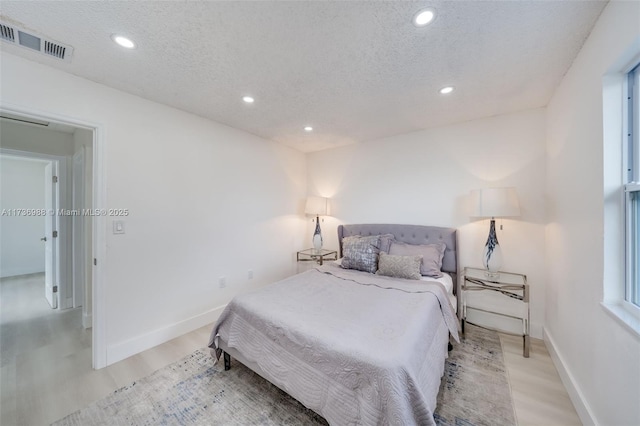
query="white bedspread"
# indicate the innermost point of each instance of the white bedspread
(354, 347)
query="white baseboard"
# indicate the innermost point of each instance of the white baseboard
(16, 272)
(130, 347)
(577, 397)
(87, 320)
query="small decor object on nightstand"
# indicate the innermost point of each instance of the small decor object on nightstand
(317, 206)
(494, 202)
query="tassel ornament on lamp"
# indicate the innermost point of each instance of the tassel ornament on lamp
(494, 202)
(317, 206)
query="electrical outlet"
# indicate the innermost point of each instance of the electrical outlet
(250, 274)
(223, 282)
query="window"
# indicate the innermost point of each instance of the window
(632, 187)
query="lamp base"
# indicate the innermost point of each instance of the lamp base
(492, 253)
(317, 236)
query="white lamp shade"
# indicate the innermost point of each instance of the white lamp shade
(495, 202)
(317, 206)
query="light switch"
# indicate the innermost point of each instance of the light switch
(118, 226)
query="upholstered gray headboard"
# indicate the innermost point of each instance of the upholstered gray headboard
(412, 234)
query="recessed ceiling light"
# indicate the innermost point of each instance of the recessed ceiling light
(123, 41)
(446, 90)
(423, 17)
(248, 99)
(308, 129)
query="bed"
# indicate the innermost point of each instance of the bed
(355, 347)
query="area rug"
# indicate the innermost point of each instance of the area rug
(193, 391)
(475, 389)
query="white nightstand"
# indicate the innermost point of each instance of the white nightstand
(509, 299)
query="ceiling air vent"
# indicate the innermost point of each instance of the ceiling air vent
(35, 42)
(54, 49)
(7, 33)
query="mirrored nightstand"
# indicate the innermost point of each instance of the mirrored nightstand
(319, 256)
(509, 299)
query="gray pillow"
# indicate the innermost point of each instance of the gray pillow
(432, 255)
(385, 242)
(360, 253)
(407, 267)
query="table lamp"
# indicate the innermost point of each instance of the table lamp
(494, 202)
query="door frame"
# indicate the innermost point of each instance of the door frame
(99, 228)
(62, 245)
(78, 246)
(53, 257)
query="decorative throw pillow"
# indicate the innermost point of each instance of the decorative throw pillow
(360, 253)
(385, 242)
(407, 267)
(432, 255)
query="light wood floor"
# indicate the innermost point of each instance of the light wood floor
(539, 396)
(45, 370)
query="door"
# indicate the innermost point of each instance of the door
(50, 282)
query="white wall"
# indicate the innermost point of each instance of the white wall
(21, 187)
(205, 201)
(425, 178)
(29, 138)
(600, 357)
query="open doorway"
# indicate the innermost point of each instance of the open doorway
(59, 276)
(30, 195)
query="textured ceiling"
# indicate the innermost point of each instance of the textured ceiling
(353, 70)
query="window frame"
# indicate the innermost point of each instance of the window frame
(631, 128)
